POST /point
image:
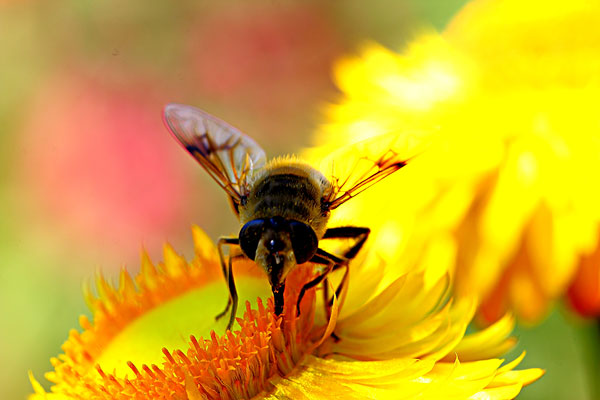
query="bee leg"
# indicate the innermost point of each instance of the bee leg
(233, 297)
(361, 235)
(325, 258)
(349, 232)
(228, 274)
(313, 283)
(340, 292)
(222, 313)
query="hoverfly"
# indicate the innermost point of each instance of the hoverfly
(283, 205)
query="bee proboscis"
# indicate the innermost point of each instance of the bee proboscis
(283, 205)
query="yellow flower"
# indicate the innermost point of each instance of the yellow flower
(405, 341)
(505, 197)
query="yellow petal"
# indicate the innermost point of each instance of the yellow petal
(490, 342)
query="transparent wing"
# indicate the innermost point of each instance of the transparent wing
(357, 167)
(225, 153)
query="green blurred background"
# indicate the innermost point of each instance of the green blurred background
(89, 174)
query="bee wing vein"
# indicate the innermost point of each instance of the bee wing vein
(229, 156)
(354, 171)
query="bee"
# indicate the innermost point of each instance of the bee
(283, 205)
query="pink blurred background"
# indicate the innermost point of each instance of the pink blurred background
(89, 173)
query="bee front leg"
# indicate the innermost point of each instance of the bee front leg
(311, 285)
(360, 234)
(228, 274)
(324, 258)
(340, 290)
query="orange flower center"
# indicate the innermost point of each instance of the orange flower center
(237, 365)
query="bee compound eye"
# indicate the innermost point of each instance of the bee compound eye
(304, 241)
(250, 235)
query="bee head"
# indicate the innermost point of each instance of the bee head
(278, 245)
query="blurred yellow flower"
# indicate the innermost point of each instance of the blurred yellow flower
(405, 341)
(505, 197)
